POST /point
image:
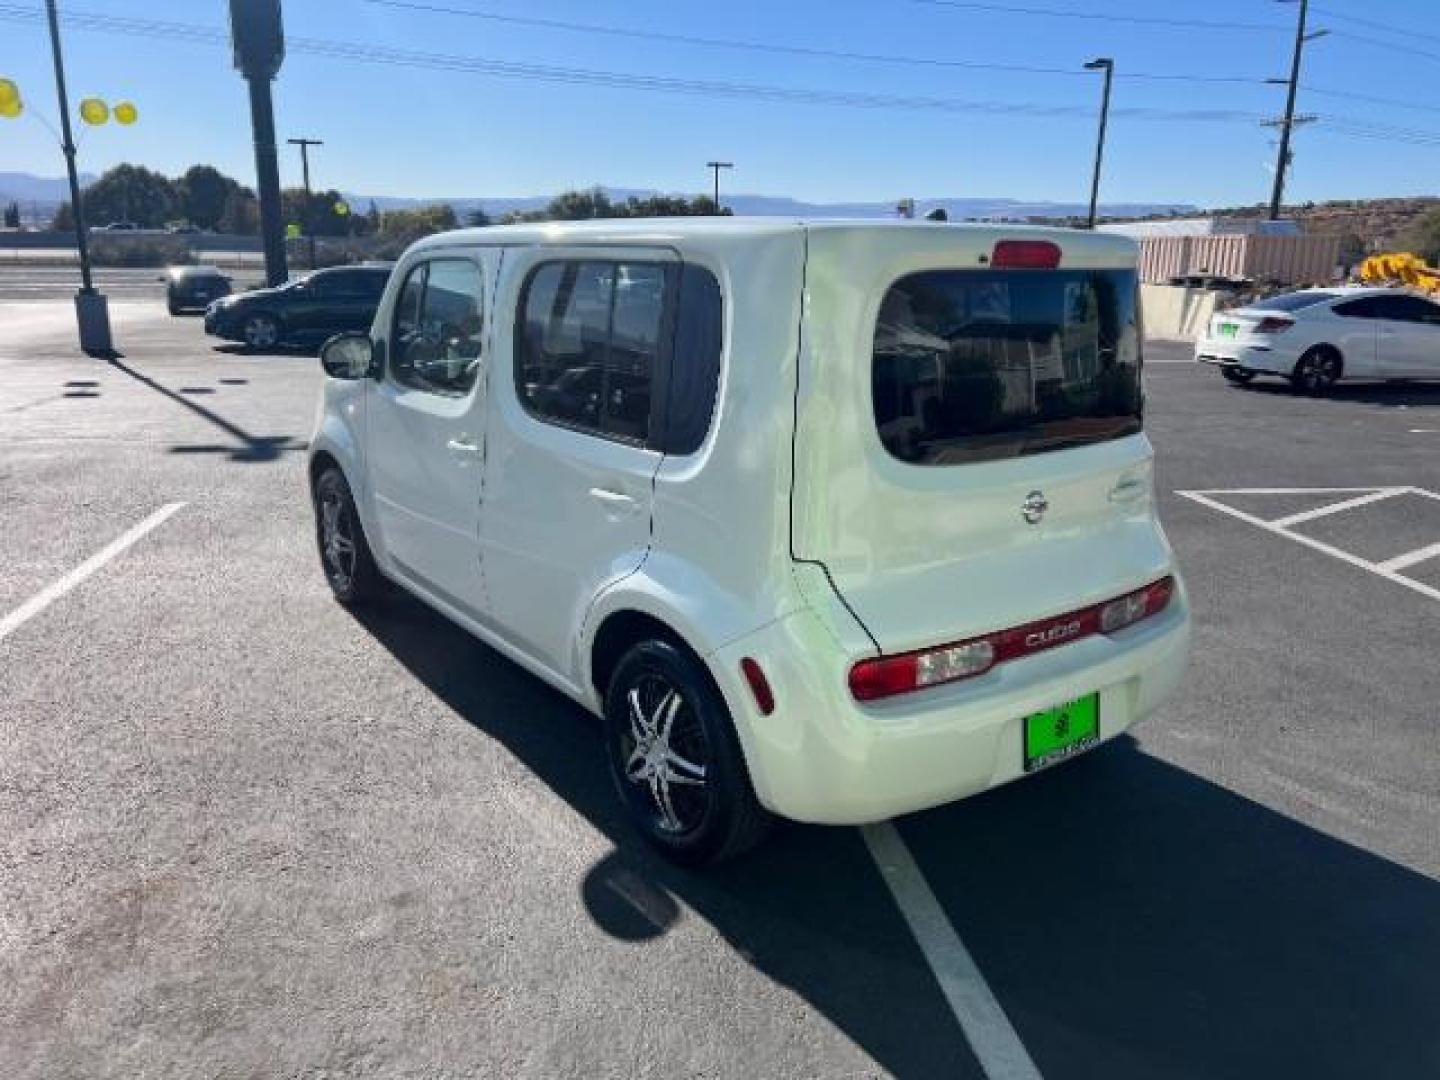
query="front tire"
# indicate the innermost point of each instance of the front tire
(344, 552)
(1316, 372)
(261, 332)
(675, 757)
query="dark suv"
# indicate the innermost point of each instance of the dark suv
(193, 288)
(304, 311)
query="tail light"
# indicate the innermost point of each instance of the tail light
(888, 676)
(1025, 255)
(1274, 324)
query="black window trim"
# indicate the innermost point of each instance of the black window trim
(660, 377)
(424, 262)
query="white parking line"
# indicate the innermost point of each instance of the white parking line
(1386, 570)
(1411, 558)
(48, 595)
(1001, 1053)
(1336, 508)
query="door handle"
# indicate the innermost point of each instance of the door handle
(616, 501)
(1127, 490)
(463, 445)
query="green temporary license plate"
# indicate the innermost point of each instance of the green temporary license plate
(1062, 732)
(1229, 329)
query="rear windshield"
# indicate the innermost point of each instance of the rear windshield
(975, 365)
(1294, 301)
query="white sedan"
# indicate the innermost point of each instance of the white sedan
(1317, 337)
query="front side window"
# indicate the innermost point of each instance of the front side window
(589, 344)
(974, 366)
(438, 330)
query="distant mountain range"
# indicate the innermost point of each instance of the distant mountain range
(45, 192)
(779, 206)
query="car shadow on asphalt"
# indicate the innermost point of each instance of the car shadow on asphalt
(237, 349)
(1133, 919)
(1384, 394)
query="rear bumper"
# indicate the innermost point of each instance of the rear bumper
(823, 757)
(1229, 353)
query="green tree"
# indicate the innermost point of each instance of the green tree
(241, 216)
(372, 219)
(1423, 236)
(477, 218)
(12, 216)
(580, 206)
(314, 213)
(64, 219)
(204, 192)
(411, 225)
(131, 193)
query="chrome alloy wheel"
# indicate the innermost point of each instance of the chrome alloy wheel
(261, 332)
(666, 756)
(337, 537)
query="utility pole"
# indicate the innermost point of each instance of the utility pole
(1289, 123)
(258, 35)
(92, 311)
(715, 167)
(1106, 65)
(305, 145)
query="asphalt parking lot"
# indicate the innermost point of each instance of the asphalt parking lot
(245, 833)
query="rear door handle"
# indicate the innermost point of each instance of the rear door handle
(1128, 490)
(614, 501)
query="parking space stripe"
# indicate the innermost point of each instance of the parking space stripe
(1411, 558)
(1379, 569)
(48, 595)
(992, 1038)
(1336, 508)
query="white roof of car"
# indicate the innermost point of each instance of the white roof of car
(730, 229)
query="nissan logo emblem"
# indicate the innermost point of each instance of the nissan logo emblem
(1034, 507)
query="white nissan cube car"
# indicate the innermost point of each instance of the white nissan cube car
(831, 521)
(1317, 337)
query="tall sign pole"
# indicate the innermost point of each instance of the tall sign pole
(715, 167)
(258, 36)
(1106, 65)
(92, 312)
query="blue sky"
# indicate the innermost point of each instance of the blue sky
(414, 131)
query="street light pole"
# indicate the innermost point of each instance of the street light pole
(305, 145)
(715, 167)
(1106, 65)
(91, 310)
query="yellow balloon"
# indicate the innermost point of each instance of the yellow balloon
(11, 109)
(126, 113)
(342, 208)
(94, 111)
(9, 92)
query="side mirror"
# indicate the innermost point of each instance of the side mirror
(348, 356)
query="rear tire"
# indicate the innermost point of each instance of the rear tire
(675, 758)
(345, 554)
(1316, 372)
(261, 331)
(1238, 376)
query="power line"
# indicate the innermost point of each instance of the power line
(780, 49)
(376, 54)
(1394, 46)
(1386, 28)
(1371, 99)
(1104, 17)
(550, 73)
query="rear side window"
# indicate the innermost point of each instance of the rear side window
(1294, 301)
(974, 366)
(625, 350)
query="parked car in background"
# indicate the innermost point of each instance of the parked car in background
(182, 230)
(117, 226)
(1317, 337)
(304, 311)
(193, 288)
(834, 521)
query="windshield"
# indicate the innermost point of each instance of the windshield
(1293, 301)
(976, 365)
